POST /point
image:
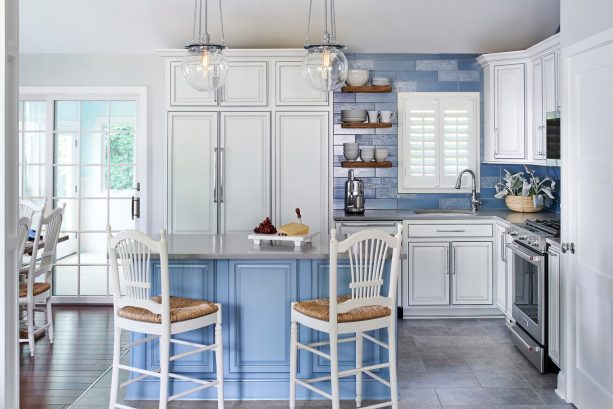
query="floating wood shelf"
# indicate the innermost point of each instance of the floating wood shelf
(355, 164)
(367, 88)
(366, 125)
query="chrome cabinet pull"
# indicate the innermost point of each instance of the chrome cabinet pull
(566, 247)
(503, 247)
(447, 261)
(453, 261)
(214, 175)
(497, 133)
(222, 193)
(451, 231)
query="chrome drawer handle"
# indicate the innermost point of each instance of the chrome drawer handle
(450, 231)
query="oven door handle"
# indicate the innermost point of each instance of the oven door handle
(526, 254)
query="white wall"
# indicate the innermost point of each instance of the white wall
(114, 70)
(580, 19)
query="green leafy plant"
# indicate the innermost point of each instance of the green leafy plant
(121, 142)
(517, 185)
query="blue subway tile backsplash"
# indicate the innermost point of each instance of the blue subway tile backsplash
(410, 73)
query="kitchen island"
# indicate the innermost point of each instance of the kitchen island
(255, 286)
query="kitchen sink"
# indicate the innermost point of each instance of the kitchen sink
(444, 212)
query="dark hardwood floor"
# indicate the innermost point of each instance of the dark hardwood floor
(82, 351)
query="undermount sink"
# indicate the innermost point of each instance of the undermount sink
(444, 212)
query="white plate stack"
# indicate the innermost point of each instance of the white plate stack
(380, 81)
(353, 115)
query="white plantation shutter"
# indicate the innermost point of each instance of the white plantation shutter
(438, 138)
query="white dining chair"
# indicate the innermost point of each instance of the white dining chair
(35, 292)
(28, 208)
(363, 309)
(23, 227)
(136, 310)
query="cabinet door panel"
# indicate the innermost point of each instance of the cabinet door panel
(472, 272)
(538, 114)
(549, 82)
(429, 273)
(182, 94)
(261, 294)
(501, 268)
(292, 87)
(244, 170)
(192, 139)
(301, 173)
(553, 289)
(509, 109)
(246, 84)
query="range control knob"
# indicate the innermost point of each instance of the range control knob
(523, 237)
(513, 233)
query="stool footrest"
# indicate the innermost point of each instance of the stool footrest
(378, 405)
(192, 390)
(312, 350)
(120, 406)
(313, 388)
(378, 378)
(323, 343)
(376, 341)
(348, 372)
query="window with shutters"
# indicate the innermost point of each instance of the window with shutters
(438, 137)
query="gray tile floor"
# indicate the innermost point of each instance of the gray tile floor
(443, 364)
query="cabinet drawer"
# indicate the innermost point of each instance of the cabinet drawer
(450, 230)
(181, 94)
(354, 227)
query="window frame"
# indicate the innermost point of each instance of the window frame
(404, 99)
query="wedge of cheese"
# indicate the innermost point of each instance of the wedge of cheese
(293, 229)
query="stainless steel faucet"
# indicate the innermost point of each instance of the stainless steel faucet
(474, 203)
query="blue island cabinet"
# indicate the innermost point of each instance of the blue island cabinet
(256, 297)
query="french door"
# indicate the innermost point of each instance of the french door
(94, 155)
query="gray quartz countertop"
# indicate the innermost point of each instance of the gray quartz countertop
(239, 247)
(399, 215)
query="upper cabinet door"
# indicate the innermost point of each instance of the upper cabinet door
(301, 168)
(538, 114)
(192, 157)
(246, 84)
(244, 170)
(509, 111)
(181, 94)
(292, 88)
(472, 272)
(550, 88)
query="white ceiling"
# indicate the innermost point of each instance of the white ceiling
(411, 26)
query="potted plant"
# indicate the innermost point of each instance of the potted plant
(525, 195)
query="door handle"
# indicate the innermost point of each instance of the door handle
(135, 207)
(447, 264)
(503, 247)
(568, 247)
(214, 175)
(222, 193)
(453, 261)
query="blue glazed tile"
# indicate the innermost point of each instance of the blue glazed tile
(437, 86)
(461, 56)
(396, 65)
(386, 193)
(490, 170)
(466, 76)
(354, 131)
(454, 203)
(384, 140)
(405, 86)
(339, 193)
(365, 140)
(337, 150)
(338, 107)
(363, 64)
(492, 204)
(553, 172)
(381, 204)
(342, 172)
(338, 204)
(388, 131)
(470, 65)
(417, 76)
(376, 97)
(386, 172)
(376, 183)
(368, 193)
(418, 203)
(489, 181)
(342, 97)
(469, 86)
(386, 106)
(339, 183)
(436, 65)
(383, 73)
(341, 139)
(487, 192)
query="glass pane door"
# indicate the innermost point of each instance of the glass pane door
(94, 177)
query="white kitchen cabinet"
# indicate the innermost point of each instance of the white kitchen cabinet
(509, 131)
(553, 289)
(192, 151)
(301, 168)
(293, 89)
(550, 81)
(245, 187)
(471, 266)
(181, 94)
(538, 112)
(500, 265)
(429, 267)
(246, 85)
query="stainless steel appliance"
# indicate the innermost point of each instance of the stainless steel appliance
(529, 250)
(553, 138)
(354, 194)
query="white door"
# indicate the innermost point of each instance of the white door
(192, 177)
(509, 109)
(244, 179)
(538, 115)
(587, 147)
(301, 168)
(246, 84)
(471, 267)
(550, 81)
(500, 265)
(429, 267)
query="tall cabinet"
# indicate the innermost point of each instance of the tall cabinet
(257, 147)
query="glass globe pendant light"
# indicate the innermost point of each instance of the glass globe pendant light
(325, 66)
(205, 67)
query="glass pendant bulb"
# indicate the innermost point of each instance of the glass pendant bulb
(325, 67)
(205, 67)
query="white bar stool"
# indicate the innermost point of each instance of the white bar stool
(365, 309)
(160, 316)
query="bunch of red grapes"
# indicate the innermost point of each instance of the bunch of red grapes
(265, 227)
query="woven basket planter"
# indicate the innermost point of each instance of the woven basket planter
(523, 204)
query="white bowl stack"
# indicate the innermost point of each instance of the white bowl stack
(367, 153)
(354, 115)
(351, 151)
(357, 77)
(379, 81)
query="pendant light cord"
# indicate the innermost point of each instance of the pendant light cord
(326, 34)
(333, 21)
(306, 41)
(221, 19)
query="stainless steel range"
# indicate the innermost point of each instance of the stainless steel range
(529, 249)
